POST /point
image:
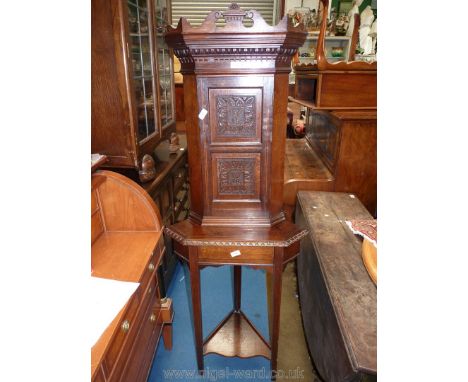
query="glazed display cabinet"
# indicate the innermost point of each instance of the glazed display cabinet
(133, 104)
(132, 81)
(337, 48)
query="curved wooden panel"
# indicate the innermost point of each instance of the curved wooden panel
(125, 206)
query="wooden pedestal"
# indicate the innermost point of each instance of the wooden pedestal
(267, 248)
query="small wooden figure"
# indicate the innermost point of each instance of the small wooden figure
(148, 169)
(174, 143)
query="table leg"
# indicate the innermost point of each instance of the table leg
(167, 336)
(276, 304)
(237, 287)
(196, 305)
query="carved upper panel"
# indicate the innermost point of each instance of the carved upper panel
(236, 116)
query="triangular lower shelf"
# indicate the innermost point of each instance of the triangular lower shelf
(236, 336)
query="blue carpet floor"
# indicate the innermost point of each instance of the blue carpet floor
(180, 363)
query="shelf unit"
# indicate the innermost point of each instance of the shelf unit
(310, 46)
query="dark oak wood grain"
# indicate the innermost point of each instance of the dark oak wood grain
(179, 102)
(237, 288)
(338, 298)
(241, 140)
(276, 303)
(238, 77)
(196, 305)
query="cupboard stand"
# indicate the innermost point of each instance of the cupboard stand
(267, 248)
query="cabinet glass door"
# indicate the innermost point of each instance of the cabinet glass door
(143, 76)
(165, 64)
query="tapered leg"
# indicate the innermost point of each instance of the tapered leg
(196, 305)
(237, 287)
(167, 336)
(276, 304)
(269, 283)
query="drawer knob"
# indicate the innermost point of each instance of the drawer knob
(151, 267)
(125, 326)
(153, 318)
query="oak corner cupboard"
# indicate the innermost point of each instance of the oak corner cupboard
(132, 101)
(235, 90)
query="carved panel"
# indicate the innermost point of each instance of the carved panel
(236, 176)
(235, 116)
(323, 132)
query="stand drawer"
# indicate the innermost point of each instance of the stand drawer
(227, 255)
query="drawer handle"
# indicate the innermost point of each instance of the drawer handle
(150, 290)
(153, 318)
(151, 267)
(125, 326)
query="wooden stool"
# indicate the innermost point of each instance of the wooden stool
(267, 248)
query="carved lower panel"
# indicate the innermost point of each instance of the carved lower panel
(236, 176)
